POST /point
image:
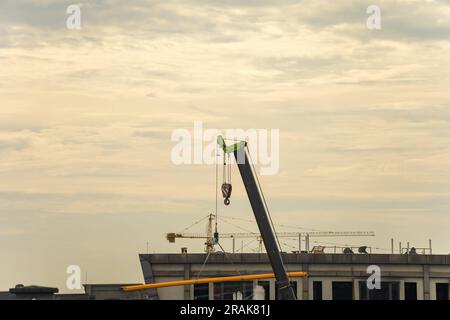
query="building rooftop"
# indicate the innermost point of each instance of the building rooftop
(21, 289)
(295, 258)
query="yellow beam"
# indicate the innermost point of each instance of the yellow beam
(208, 280)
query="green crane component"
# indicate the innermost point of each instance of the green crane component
(231, 148)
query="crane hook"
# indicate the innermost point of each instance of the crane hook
(226, 193)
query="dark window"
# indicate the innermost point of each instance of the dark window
(388, 291)
(410, 291)
(201, 291)
(441, 291)
(293, 286)
(266, 286)
(342, 290)
(317, 290)
(228, 290)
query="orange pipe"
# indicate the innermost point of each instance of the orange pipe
(208, 280)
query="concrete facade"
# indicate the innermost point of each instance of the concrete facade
(423, 272)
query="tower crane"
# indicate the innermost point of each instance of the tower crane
(210, 240)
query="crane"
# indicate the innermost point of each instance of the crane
(210, 240)
(260, 210)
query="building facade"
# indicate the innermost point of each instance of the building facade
(330, 276)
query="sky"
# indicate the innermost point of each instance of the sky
(86, 118)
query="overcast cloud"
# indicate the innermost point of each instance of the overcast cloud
(86, 118)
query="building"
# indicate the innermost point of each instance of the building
(330, 276)
(92, 292)
(21, 292)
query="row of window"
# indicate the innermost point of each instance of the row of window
(228, 290)
(341, 290)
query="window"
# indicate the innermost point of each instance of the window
(293, 286)
(342, 290)
(266, 286)
(317, 290)
(201, 291)
(441, 291)
(229, 290)
(388, 291)
(410, 291)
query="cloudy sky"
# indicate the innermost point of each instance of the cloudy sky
(86, 118)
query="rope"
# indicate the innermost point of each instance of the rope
(195, 223)
(279, 225)
(246, 245)
(224, 176)
(229, 169)
(332, 243)
(217, 183)
(226, 256)
(203, 265)
(238, 227)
